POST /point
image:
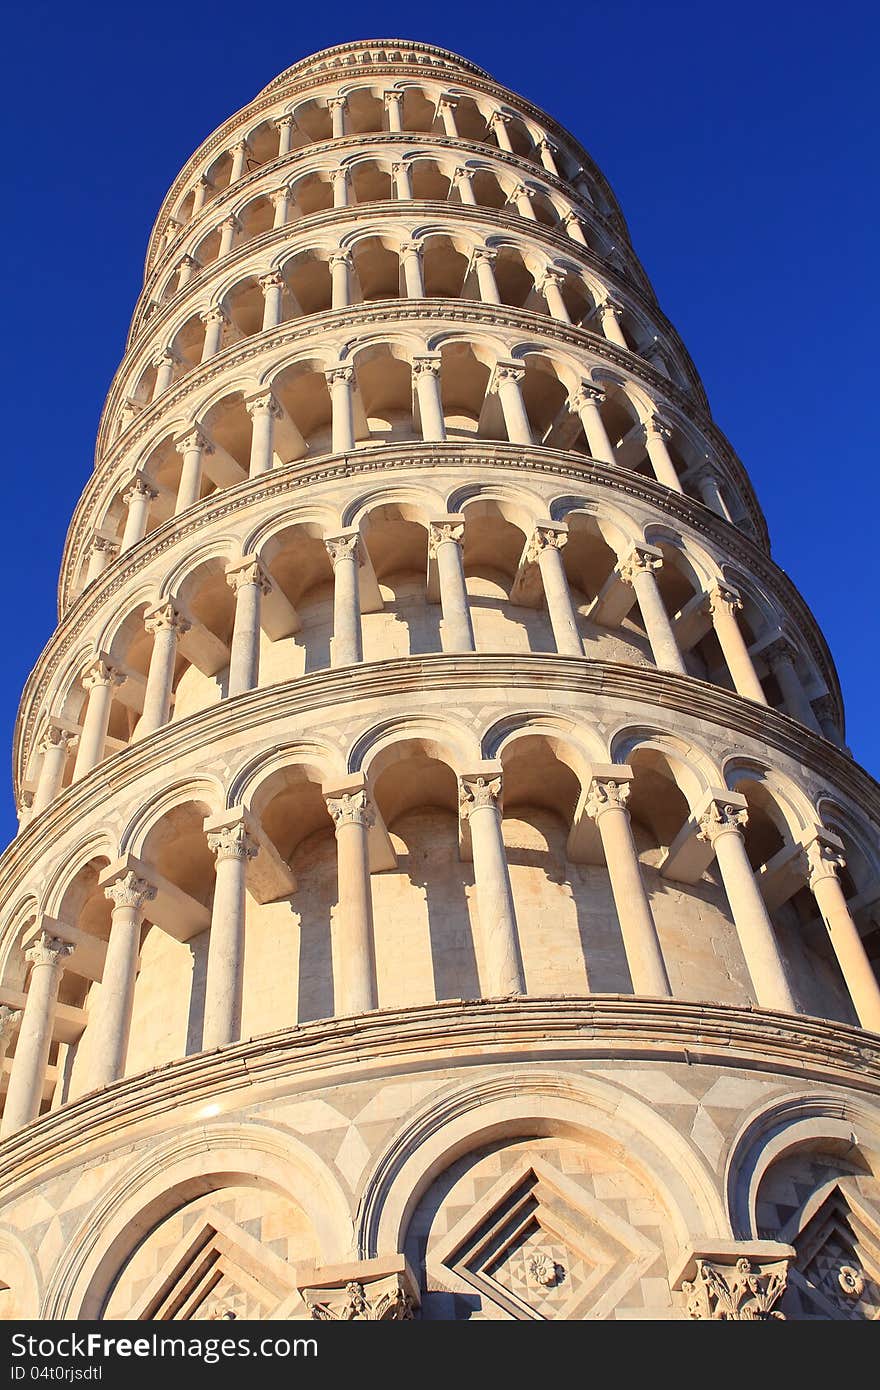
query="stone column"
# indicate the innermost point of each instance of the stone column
(572, 227)
(169, 234)
(482, 259)
(522, 198)
(341, 190)
(9, 1021)
(400, 172)
(337, 108)
(506, 380)
(55, 746)
(340, 279)
(445, 545)
(550, 286)
(229, 228)
(25, 1092)
(164, 364)
(608, 314)
(656, 433)
(545, 550)
(411, 259)
(585, 402)
(826, 713)
(353, 815)
(285, 126)
(100, 681)
(607, 796)
(138, 499)
(250, 582)
(215, 321)
(823, 862)
(232, 848)
(264, 410)
(281, 202)
(344, 552)
(426, 375)
(720, 826)
(638, 570)
(200, 196)
(339, 379)
(446, 110)
(186, 269)
(192, 447)
(272, 286)
(479, 799)
(710, 494)
(780, 657)
(461, 177)
(167, 624)
(723, 603)
(112, 1024)
(547, 155)
(394, 107)
(240, 152)
(498, 122)
(103, 551)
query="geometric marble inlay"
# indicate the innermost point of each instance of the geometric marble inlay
(837, 1271)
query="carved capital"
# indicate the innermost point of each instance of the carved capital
(166, 618)
(264, 403)
(823, 860)
(392, 96)
(338, 258)
(723, 599)
(410, 248)
(215, 315)
(139, 488)
(232, 842)
(426, 366)
(279, 195)
(56, 737)
(475, 793)
(49, 950)
(355, 1303)
(187, 262)
(285, 121)
(657, 428)
(339, 174)
(606, 794)
(544, 538)
(550, 276)
(194, 438)
(720, 818)
(337, 375)
(130, 891)
(609, 306)
(638, 562)
(441, 533)
(337, 103)
(499, 118)
(101, 673)
(251, 572)
(274, 280)
(586, 394)
(351, 808)
(447, 99)
(105, 545)
(780, 649)
(483, 253)
(743, 1292)
(166, 358)
(506, 373)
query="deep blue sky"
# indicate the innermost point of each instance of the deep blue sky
(741, 143)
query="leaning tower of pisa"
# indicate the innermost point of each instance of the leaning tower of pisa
(443, 890)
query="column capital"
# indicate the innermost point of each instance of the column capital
(499, 117)
(551, 275)
(107, 544)
(204, 182)
(723, 816)
(193, 438)
(609, 306)
(350, 807)
(739, 1290)
(392, 95)
(130, 890)
(505, 371)
(167, 357)
(461, 171)
(444, 530)
(545, 144)
(479, 790)
(642, 559)
(9, 1019)
(102, 672)
(333, 260)
(482, 253)
(723, 597)
(608, 790)
(823, 856)
(337, 103)
(547, 535)
(427, 366)
(570, 216)
(588, 393)
(233, 841)
(263, 403)
(341, 173)
(214, 315)
(139, 487)
(49, 950)
(448, 99)
(272, 280)
(56, 736)
(241, 144)
(779, 649)
(279, 195)
(825, 707)
(164, 617)
(346, 546)
(187, 261)
(521, 190)
(333, 375)
(398, 167)
(171, 228)
(230, 221)
(411, 248)
(285, 120)
(656, 428)
(248, 571)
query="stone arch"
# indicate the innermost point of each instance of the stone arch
(246, 788)
(207, 788)
(374, 749)
(20, 1276)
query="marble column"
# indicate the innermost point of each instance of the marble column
(232, 847)
(167, 625)
(710, 494)
(506, 379)
(547, 155)
(285, 126)
(337, 107)
(480, 806)
(353, 957)
(345, 556)
(823, 863)
(250, 583)
(608, 314)
(341, 188)
(23, 1098)
(445, 538)
(55, 746)
(272, 286)
(138, 499)
(186, 269)
(482, 260)
(550, 286)
(572, 227)
(498, 123)
(780, 657)
(112, 1023)
(638, 570)
(99, 680)
(656, 433)
(585, 402)
(461, 178)
(606, 805)
(723, 603)
(340, 279)
(411, 259)
(826, 713)
(280, 200)
(203, 188)
(446, 111)
(545, 550)
(401, 173)
(720, 827)
(104, 550)
(193, 446)
(229, 229)
(339, 380)
(164, 364)
(240, 152)
(522, 199)
(264, 410)
(426, 375)
(215, 321)
(394, 107)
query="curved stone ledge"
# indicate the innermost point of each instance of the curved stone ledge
(453, 1034)
(455, 676)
